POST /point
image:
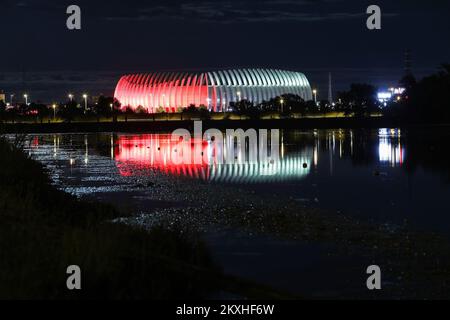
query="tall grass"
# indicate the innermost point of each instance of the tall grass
(44, 230)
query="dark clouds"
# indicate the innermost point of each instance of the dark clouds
(237, 12)
(209, 11)
(311, 36)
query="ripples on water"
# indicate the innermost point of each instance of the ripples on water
(133, 154)
(368, 173)
(385, 175)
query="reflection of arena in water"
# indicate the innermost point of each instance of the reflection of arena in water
(390, 148)
(135, 154)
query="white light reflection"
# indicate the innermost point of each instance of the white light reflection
(391, 151)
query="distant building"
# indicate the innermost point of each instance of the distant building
(392, 94)
(214, 89)
(2, 97)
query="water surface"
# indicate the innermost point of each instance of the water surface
(385, 176)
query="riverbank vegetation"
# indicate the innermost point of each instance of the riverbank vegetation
(44, 230)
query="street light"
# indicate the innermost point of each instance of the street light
(281, 102)
(85, 96)
(70, 97)
(54, 112)
(315, 95)
(26, 98)
(224, 105)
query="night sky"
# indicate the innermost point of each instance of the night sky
(40, 55)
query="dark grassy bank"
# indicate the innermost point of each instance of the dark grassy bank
(43, 231)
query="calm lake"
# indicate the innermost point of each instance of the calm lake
(386, 176)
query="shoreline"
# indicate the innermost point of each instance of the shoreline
(52, 229)
(280, 219)
(170, 125)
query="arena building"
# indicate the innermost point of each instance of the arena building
(214, 89)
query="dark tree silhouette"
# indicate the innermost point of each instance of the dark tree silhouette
(408, 82)
(103, 106)
(292, 103)
(69, 111)
(200, 111)
(140, 110)
(42, 110)
(2, 110)
(247, 108)
(430, 97)
(359, 100)
(427, 100)
(2, 106)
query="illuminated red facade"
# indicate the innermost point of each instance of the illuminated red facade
(170, 91)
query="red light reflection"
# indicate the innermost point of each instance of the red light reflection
(135, 154)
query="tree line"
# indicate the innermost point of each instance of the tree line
(424, 100)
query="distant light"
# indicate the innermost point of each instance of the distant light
(383, 96)
(398, 90)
